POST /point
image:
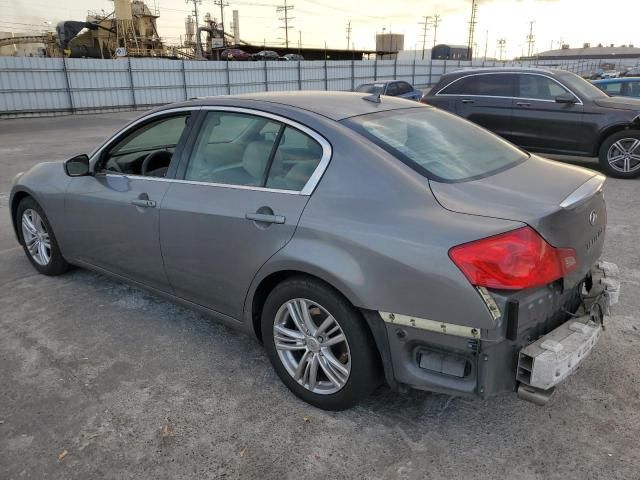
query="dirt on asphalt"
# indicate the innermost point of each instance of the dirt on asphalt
(100, 380)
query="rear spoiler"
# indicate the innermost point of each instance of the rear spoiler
(588, 189)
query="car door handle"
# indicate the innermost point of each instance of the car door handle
(468, 100)
(523, 104)
(138, 202)
(264, 218)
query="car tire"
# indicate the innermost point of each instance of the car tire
(613, 147)
(34, 229)
(356, 354)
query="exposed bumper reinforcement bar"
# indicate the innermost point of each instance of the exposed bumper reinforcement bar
(552, 358)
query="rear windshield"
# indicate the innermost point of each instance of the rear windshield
(437, 144)
(371, 88)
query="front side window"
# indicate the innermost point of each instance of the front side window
(248, 150)
(438, 145)
(538, 87)
(612, 88)
(491, 85)
(404, 87)
(147, 150)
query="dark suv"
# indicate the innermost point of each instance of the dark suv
(547, 111)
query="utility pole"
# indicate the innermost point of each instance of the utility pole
(486, 45)
(502, 45)
(222, 4)
(425, 27)
(285, 10)
(436, 23)
(472, 28)
(348, 34)
(530, 39)
(195, 14)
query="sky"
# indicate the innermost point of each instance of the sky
(568, 21)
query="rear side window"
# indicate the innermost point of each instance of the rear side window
(437, 144)
(296, 158)
(233, 149)
(633, 89)
(493, 85)
(374, 88)
(540, 88)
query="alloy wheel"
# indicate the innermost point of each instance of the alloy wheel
(36, 237)
(312, 346)
(624, 155)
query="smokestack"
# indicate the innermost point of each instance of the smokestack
(236, 28)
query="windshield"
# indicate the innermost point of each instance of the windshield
(373, 88)
(582, 87)
(437, 144)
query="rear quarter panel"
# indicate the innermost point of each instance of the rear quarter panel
(373, 230)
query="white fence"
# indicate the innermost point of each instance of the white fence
(54, 86)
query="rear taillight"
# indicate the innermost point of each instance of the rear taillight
(513, 260)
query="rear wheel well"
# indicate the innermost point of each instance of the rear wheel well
(268, 284)
(17, 198)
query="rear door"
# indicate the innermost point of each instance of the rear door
(238, 201)
(542, 124)
(485, 99)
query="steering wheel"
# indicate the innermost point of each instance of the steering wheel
(157, 160)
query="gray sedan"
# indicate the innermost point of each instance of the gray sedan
(361, 240)
(393, 88)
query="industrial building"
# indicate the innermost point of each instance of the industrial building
(451, 52)
(589, 52)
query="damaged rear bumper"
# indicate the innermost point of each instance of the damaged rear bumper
(536, 344)
(549, 360)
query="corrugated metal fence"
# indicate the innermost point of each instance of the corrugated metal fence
(54, 86)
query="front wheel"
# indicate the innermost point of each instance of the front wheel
(620, 154)
(318, 344)
(38, 240)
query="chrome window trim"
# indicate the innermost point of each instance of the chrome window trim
(317, 174)
(193, 182)
(95, 155)
(308, 188)
(512, 98)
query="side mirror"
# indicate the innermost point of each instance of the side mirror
(566, 98)
(77, 166)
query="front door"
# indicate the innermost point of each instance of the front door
(540, 123)
(113, 216)
(239, 201)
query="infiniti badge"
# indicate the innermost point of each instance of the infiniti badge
(593, 217)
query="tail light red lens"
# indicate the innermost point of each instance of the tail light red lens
(513, 260)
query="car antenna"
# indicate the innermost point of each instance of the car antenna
(375, 98)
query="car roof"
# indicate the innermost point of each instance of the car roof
(617, 80)
(334, 105)
(546, 71)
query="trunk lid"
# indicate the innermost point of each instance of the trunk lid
(563, 203)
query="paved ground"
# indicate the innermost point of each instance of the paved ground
(133, 387)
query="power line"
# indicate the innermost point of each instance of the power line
(285, 10)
